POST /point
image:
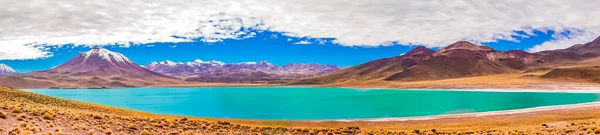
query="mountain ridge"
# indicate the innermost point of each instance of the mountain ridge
(217, 71)
(458, 60)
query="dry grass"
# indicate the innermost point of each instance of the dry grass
(146, 132)
(48, 116)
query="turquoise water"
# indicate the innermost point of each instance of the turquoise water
(313, 103)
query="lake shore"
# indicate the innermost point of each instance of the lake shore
(480, 114)
(574, 88)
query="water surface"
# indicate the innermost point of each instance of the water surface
(313, 103)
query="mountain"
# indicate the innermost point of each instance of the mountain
(571, 55)
(96, 68)
(376, 69)
(461, 59)
(591, 74)
(100, 62)
(5, 69)
(464, 59)
(217, 71)
(520, 53)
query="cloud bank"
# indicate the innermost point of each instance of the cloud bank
(28, 27)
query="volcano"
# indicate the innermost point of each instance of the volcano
(100, 62)
(5, 69)
(97, 68)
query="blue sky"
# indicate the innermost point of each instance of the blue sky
(270, 46)
(31, 32)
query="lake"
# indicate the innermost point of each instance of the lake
(313, 103)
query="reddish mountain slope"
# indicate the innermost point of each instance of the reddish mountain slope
(519, 53)
(567, 56)
(376, 69)
(462, 59)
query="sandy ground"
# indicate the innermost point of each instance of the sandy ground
(521, 81)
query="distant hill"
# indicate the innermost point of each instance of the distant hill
(216, 71)
(571, 55)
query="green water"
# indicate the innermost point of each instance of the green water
(313, 103)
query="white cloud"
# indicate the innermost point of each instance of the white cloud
(562, 41)
(18, 51)
(357, 23)
(302, 43)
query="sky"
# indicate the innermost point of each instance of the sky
(40, 34)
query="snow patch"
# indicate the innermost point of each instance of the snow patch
(248, 63)
(105, 55)
(5, 69)
(168, 63)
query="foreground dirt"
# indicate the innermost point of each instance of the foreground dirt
(24, 113)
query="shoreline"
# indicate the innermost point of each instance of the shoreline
(474, 114)
(571, 88)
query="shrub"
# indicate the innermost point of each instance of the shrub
(20, 117)
(146, 132)
(131, 126)
(16, 110)
(108, 132)
(2, 115)
(97, 117)
(188, 133)
(48, 116)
